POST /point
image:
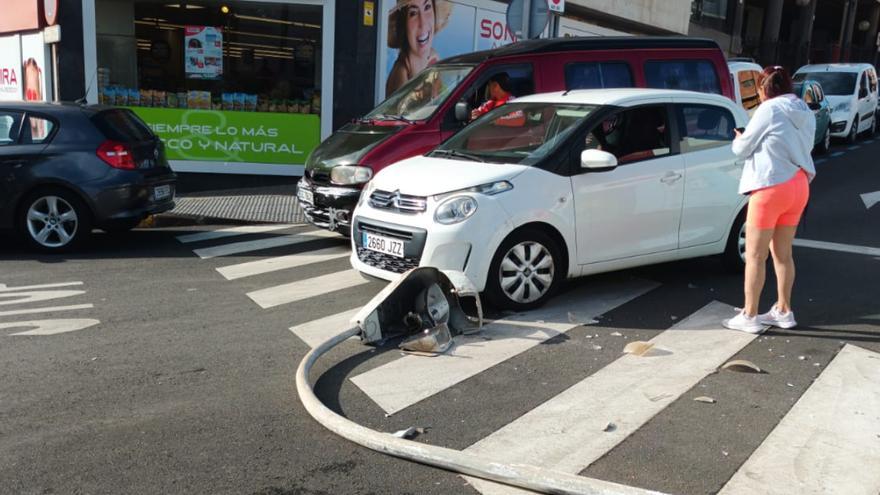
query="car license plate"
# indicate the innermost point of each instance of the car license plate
(381, 244)
(162, 192)
(305, 196)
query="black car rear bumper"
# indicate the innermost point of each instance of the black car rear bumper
(136, 199)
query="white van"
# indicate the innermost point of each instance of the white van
(745, 84)
(851, 90)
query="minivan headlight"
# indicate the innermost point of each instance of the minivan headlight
(347, 175)
(455, 210)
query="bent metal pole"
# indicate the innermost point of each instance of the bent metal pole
(519, 475)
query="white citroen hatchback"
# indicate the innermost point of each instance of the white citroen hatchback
(561, 185)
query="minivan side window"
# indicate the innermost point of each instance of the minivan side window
(632, 135)
(10, 123)
(872, 80)
(748, 89)
(595, 75)
(704, 127)
(863, 82)
(693, 75)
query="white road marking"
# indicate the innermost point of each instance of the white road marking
(255, 245)
(833, 246)
(50, 309)
(316, 332)
(828, 443)
(408, 380)
(241, 270)
(566, 432)
(50, 327)
(232, 231)
(36, 296)
(871, 199)
(836, 154)
(4, 288)
(854, 147)
(304, 289)
(820, 161)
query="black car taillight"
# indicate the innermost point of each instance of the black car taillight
(117, 155)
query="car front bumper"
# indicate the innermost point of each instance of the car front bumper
(331, 206)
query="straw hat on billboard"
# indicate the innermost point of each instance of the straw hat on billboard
(396, 19)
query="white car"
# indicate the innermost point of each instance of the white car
(745, 84)
(851, 91)
(561, 185)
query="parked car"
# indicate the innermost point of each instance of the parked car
(811, 92)
(745, 83)
(561, 185)
(66, 168)
(436, 104)
(851, 91)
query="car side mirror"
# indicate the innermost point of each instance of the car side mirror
(597, 159)
(462, 112)
(863, 93)
(814, 106)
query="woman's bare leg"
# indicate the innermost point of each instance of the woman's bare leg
(783, 264)
(757, 250)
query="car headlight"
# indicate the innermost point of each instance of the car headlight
(489, 189)
(455, 210)
(347, 175)
(365, 192)
(843, 107)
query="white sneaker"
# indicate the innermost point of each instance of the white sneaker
(744, 323)
(776, 318)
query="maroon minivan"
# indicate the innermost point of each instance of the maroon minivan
(436, 103)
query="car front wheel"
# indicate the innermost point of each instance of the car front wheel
(853, 135)
(525, 271)
(735, 253)
(54, 220)
(825, 143)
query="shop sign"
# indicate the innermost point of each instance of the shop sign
(19, 15)
(50, 11)
(230, 136)
(203, 52)
(35, 78)
(557, 6)
(10, 68)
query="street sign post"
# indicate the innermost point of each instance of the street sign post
(557, 6)
(528, 18)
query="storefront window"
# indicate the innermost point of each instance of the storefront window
(227, 82)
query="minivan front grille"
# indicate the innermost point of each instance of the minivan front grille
(394, 201)
(387, 232)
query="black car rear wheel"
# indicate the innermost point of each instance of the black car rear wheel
(54, 220)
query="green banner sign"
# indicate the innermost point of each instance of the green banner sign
(230, 136)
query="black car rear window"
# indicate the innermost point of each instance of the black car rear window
(122, 125)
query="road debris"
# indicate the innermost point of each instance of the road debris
(597, 347)
(638, 347)
(410, 433)
(802, 358)
(616, 334)
(789, 385)
(609, 427)
(703, 398)
(741, 365)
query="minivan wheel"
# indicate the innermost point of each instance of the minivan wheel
(54, 220)
(525, 271)
(735, 253)
(873, 129)
(825, 144)
(853, 135)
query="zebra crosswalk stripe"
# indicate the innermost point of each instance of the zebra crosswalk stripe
(829, 442)
(568, 432)
(304, 289)
(230, 232)
(256, 245)
(259, 267)
(316, 332)
(408, 380)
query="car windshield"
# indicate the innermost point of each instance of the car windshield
(420, 97)
(833, 83)
(521, 133)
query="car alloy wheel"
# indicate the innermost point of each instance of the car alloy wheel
(526, 273)
(826, 142)
(741, 243)
(52, 222)
(734, 256)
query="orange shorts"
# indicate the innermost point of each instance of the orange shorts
(782, 204)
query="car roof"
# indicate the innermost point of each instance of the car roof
(51, 108)
(739, 66)
(585, 43)
(623, 96)
(833, 68)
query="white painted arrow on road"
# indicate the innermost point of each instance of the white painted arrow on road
(871, 199)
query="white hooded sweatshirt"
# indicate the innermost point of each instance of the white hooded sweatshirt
(776, 143)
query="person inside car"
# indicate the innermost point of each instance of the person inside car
(500, 92)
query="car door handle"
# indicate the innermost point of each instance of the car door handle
(670, 177)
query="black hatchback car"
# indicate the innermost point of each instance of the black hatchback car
(66, 169)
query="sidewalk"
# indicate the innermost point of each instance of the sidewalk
(275, 204)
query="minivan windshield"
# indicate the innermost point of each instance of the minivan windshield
(833, 83)
(520, 133)
(420, 97)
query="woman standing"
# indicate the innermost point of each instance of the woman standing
(412, 25)
(776, 145)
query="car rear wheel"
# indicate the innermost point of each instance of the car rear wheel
(54, 220)
(525, 271)
(825, 143)
(735, 253)
(853, 135)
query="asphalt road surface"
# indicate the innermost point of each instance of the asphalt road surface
(163, 361)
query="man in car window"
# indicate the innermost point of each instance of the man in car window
(500, 92)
